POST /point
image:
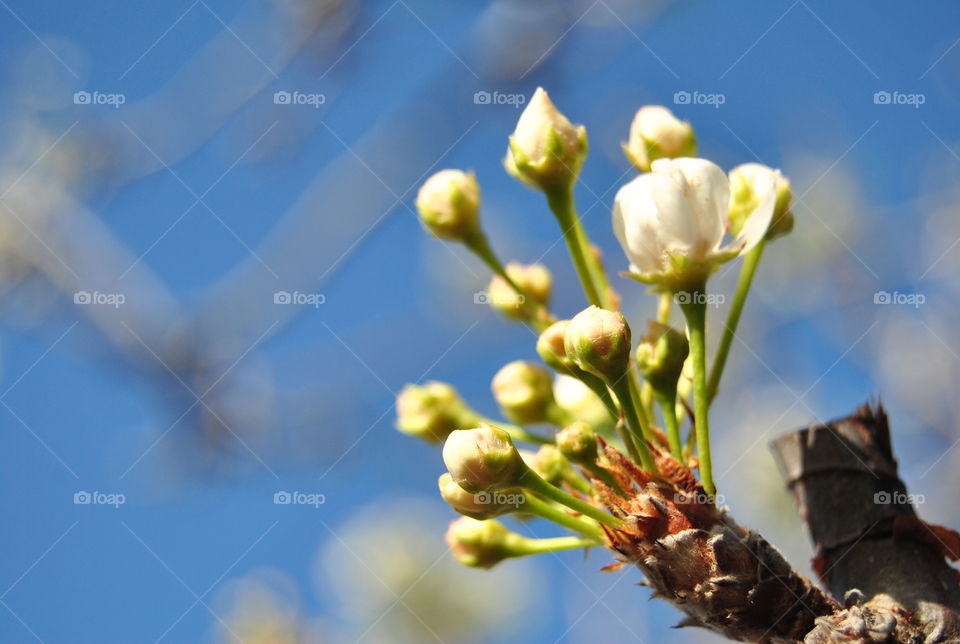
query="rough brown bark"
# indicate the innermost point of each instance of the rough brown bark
(870, 543)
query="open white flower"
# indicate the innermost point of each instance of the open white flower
(671, 222)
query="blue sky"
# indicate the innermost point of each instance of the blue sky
(221, 197)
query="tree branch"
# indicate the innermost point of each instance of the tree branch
(868, 537)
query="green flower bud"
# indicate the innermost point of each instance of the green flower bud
(656, 134)
(534, 280)
(483, 459)
(524, 392)
(578, 401)
(432, 411)
(661, 355)
(750, 185)
(481, 544)
(578, 442)
(551, 349)
(598, 341)
(546, 150)
(482, 505)
(449, 205)
(550, 464)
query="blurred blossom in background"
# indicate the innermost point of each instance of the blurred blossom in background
(213, 285)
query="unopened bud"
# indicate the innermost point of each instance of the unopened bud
(481, 544)
(661, 355)
(598, 341)
(551, 349)
(449, 205)
(751, 184)
(656, 133)
(578, 442)
(534, 280)
(524, 392)
(550, 464)
(578, 401)
(432, 411)
(546, 150)
(480, 505)
(483, 459)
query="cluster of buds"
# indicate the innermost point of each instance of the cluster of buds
(677, 222)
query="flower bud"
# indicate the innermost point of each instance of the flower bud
(483, 459)
(480, 506)
(656, 134)
(551, 349)
(753, 184)
(432, 411)
(578, 442)
(550, 464)
(598, 341)
(661, 355)
(480, 544)
(535, 282)
(578, 401)
(449, 205)
(524, 392)
(546, 150)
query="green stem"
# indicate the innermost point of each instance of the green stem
(642, 453)
(603, 475)
(750, 262)
(668, 404)
(544, 510)
(664, 305)
(596, 386)
(539, 546)
(561, 203)
(532, 481)
(696, 312)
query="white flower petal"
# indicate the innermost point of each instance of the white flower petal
(763, 181)
(693, 204)
(637, 225)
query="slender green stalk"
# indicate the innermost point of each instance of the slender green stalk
(668, 405)
(634, 383)
(533, 505)
(539, 546)
(597, 386)
(664, 306)
(561, 203)
(750, 262)
(532, 481)
(603, 475)
(640, 450)
(696, 312)
(596, 267)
